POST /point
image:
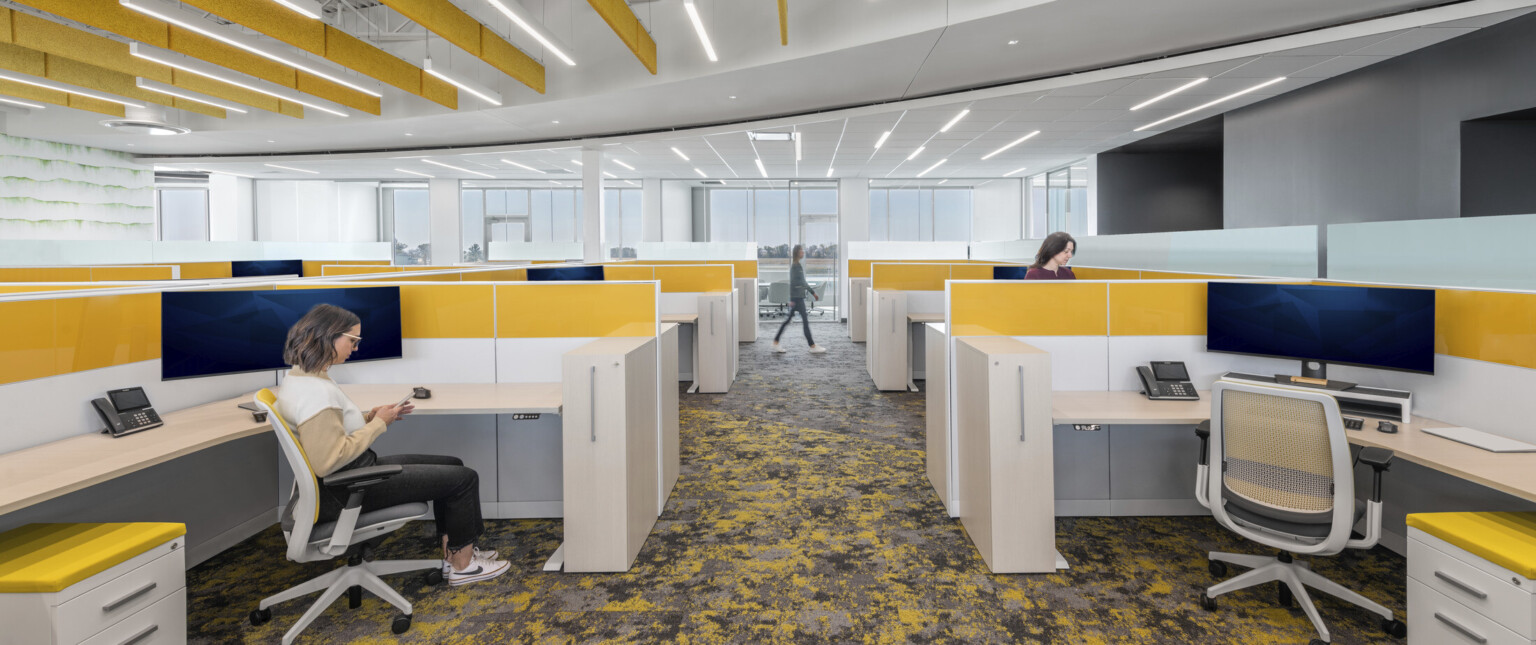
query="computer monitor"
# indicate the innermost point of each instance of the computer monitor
(1377, 327)
(254, 268)
(589, 273)
(205, 333)
(1009, 272)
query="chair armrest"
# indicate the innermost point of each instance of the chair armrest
(357, 478)
(1379, 459)
(1203, 430)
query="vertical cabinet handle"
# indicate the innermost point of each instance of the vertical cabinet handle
(111, 606)
(141, 635)
(893, 316)
(1021, 403)
(712, 317)
(1465, 631)
(1477, 593)
(592, 402)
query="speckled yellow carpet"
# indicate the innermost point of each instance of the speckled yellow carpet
(803, 516)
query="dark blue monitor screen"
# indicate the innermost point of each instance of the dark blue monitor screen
(593, 273)
(1009, 273)
(253, 268)
(203, 333)
(1368, 326)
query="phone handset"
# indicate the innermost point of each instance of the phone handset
(1148, 382)
(109, 416)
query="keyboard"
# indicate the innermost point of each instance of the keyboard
(1480, 439)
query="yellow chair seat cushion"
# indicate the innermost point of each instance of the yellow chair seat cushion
(1505, 539)
(44, 558)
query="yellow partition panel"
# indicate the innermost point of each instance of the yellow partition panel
(909, 277)
(970, 272)
(1092, 273)
(861, 268)
(407, 277)
(690, 279)
(28, 348)
(1035, 308)
(101, 331)
(112, 274)
(355, 269)
(49, 286)
(205, 270)
(743, 268)
(564, 310)
(45, 274)
(622, 272)
(1491, 326)
(312, 267)
(498, 275)
(447, 311)
(1157, 309)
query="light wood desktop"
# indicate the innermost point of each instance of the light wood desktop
(688, 319)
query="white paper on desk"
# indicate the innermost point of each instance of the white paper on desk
(1480, 439)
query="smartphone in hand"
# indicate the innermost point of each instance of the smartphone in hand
(405, 400)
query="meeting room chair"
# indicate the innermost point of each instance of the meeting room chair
(352, 535)
(778, 295)
(1286, 481)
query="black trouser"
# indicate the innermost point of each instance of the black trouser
(453, 489)
(796, 304)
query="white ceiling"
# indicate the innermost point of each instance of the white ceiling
(902, 64)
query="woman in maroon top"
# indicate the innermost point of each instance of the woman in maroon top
(1051, 261)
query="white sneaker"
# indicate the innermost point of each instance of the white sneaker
(779, 348)
(488, 554)
(818, 349)
(479, 569)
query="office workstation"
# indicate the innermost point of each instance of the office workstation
(586, 217)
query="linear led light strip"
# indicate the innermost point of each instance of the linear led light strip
(623, 164)
(1017, 141)
(698, 26)
(528, 168)
(680, 153)
(162, 88)
(930, 168)
(480, 91)
(701, 173)
(151, 53)
(760, 168)
(1015, 172)
(472, 172)
(526, 24)
(306, 8)
(28, 79)
(273, 165)
(1228, 97)
(955, 120)
(1169, 93)
(22, 103)
(147, 7)
(412, 172)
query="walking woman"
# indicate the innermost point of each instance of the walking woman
(1051, 261)
(798, 287)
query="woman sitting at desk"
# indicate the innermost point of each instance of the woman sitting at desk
(335, 435)
(1051, 261)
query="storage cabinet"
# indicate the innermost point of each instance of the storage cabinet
(1456, 595)
(858, 309)
(938, 445)
(746, 310)
(670, 449)
(888, 342)
(717, 343)
(610, 443)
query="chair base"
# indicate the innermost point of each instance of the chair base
(337, 581)
(1295, 575)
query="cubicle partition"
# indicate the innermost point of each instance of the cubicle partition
(859, 278)
(750, 292)
(703, 297)
(1282, 251)
(901, 296)
(106, 273)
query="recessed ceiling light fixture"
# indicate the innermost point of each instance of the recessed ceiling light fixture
(1017, 141)
(930, 168)
(1228, 97)
(680, 153)
(623, 164)
(466, 170)
(916, 152)
(698, 26)
(1015, 172)
(700, 172)
(770, 136)
(168, 90)
(760, 169)
(10, 101)
(209, 70)
(156, 9)
(28, 79)
(519, 16)
(1169, 93)
(955, 120)
(528, 168)
(307, 8)
(479, 91)
(883, 137)
(412, 172)
(273, 165)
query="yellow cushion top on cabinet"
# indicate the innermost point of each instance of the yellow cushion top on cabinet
(44, 558)
(1505, 539)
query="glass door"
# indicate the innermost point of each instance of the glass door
(814, 207)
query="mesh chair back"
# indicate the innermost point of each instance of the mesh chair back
(778, 293)
(1276, 451)
(304, 505)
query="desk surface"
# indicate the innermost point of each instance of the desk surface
(680, 318)
(925, 318)
(41, 473)
(1511, 473)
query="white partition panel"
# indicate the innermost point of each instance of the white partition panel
(1286, 251)
(99, 252)
(1415, 252)
(1005, 251)
(508, 251)
(907, 250)
(532, 360)
(1128, 352)
(427, 360)
(696, 251)
(1077, 362)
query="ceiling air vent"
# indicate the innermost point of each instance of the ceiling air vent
(132, 126)
(711, 182)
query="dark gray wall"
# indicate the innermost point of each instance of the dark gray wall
(1498, 168)
(1381, 143)
(1156, 192)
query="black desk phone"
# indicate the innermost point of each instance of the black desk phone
(126, 411)
(1167, 380)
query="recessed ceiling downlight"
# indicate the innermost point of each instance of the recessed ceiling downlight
(154, 128)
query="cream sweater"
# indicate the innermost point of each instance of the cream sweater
(330, 427)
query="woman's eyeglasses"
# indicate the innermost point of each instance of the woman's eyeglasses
(357, 341)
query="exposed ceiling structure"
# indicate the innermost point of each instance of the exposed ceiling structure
(907, 67)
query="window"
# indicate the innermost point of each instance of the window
(407, 214)
(776, 218)
(621, 226)
(181, 214)
(504, 213)
(1066, 200)
(920, 214)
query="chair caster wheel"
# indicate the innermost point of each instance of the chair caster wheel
(433, 578)
(1394, 628)
(1317, 641)
(1207, 603)
(402, 624)
(1218, 568)
(1287, 599)
(354, 597)
(260, 617)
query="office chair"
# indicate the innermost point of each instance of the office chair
(778, 295)
(350, 535)
(1286, 481)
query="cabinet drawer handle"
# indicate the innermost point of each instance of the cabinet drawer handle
(1460, 628)
(1479, 594)
(112, 606)
(592, 402)
(712, 317)
(143, 634)
(1021, 403)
